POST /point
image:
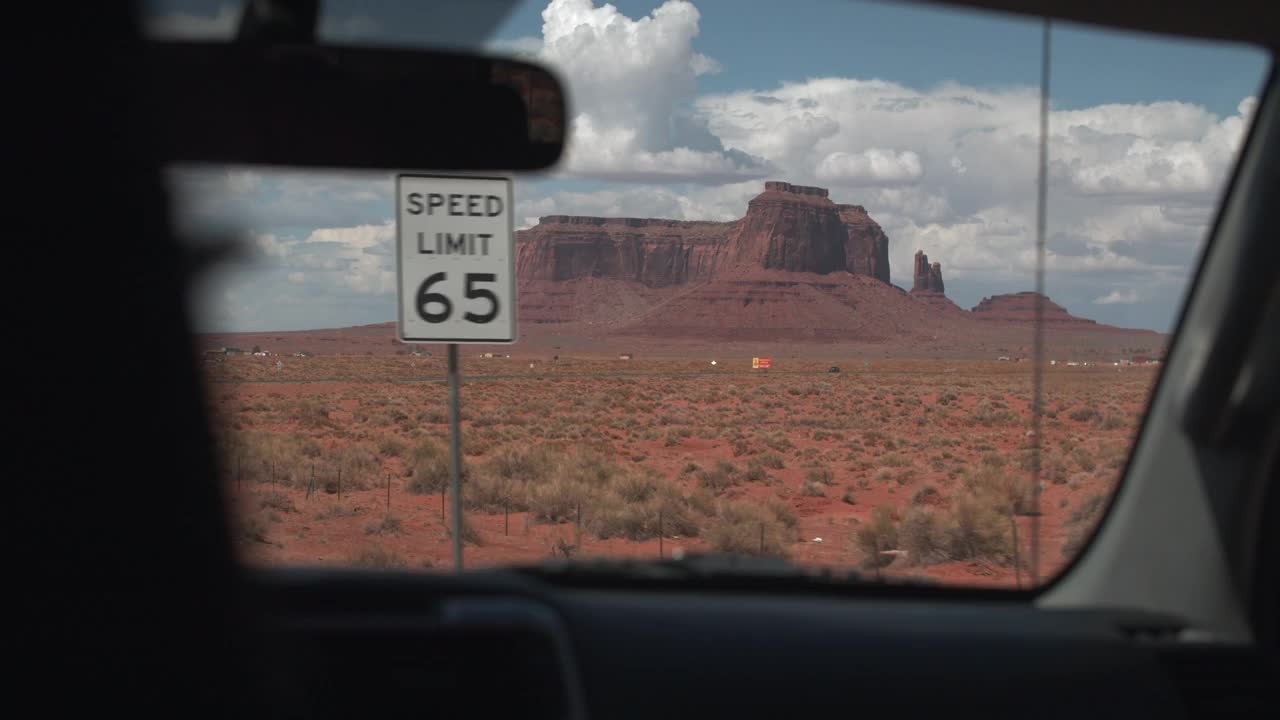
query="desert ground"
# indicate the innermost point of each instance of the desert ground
(899, 468)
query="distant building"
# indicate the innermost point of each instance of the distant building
(624, 356)
(487, 356)
(1003, 358)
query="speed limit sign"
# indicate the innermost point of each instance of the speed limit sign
(456, 259)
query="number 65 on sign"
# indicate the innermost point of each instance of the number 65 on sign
(455, 253)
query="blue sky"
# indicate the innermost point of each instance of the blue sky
(926, 116)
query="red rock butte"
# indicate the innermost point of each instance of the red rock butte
(794, 228)
(797, 266)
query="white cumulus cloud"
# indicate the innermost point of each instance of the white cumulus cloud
(1118, 297)
(627, 80)
(873, 166)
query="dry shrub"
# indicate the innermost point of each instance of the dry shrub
(894, 460)
(977, 530)
(388, 525)
(1084, 459)
(589, 467)
(1004, 491)
(987, 414)
(493, 494)
(635, 488)
(755, 472)
(665, 505)
(474, 446)
(470, 536)
(1111, 421)
(923, 535)
(523, 464)
(783, 512)
(772, 461)
(379, 558)
(505, 481)
(820, 476)
(924, 495)
(812, 489)
(1054, 469)
(1083, 414)
(313, 414)
(703, 501)
(558, 499)
(277, 501)
(775, 441)
(722, 477)
(430, 468)
(878, 534)
(740, 527)
(562, 548)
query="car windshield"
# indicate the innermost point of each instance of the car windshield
(780, 297)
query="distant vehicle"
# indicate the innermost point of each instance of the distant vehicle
(833, 369)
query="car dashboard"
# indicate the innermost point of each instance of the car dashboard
(343, 643)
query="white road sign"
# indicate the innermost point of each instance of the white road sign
(456, 264)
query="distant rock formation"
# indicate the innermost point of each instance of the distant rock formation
(794, 228)
(1021, 308)
(796, 266)
(656, 253)
(927, 278)
(867, 247)
(791, 227)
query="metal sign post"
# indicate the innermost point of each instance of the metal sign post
(455, 459)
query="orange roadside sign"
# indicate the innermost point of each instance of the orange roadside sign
(755, 363)
(765, 363)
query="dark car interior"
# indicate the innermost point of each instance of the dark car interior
(131, 600)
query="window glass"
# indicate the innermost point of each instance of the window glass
(778, 297)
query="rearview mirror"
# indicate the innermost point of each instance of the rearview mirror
(351, 107)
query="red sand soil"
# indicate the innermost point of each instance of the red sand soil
(887, 429)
